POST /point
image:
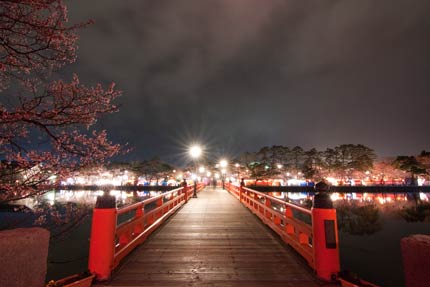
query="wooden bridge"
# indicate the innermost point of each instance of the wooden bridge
(214, 241)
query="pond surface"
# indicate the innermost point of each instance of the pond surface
(370, 227)
(70, 229)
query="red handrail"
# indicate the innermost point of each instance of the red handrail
(111, 242)
(293, 230)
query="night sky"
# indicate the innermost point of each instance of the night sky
(236, 75)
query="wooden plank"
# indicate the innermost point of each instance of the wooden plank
(213, 241)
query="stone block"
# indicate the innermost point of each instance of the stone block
(416, 260)
(24, 253)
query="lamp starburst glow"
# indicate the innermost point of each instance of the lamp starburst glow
(195, 151)
(223, 163)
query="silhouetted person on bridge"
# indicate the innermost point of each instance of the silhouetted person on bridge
(195, 189)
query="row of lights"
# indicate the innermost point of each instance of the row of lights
(195, 151)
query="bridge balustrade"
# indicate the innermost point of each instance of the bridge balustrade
(312, 233)
(111, 241)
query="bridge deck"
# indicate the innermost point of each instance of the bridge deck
(213, 241)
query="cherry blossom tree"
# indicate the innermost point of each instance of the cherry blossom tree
(46, 126)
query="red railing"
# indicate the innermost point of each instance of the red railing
(111, 242)
(312, 233)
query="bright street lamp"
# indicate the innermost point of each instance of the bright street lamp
(223, 163)
(195, 151)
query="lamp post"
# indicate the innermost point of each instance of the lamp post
(195, 153)
(237, 172)
(223, 164)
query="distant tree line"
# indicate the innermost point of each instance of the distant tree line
(153, 169)
(342, 161)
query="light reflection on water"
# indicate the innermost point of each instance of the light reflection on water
(70, 231)
(371, 226)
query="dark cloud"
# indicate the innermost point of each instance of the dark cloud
(246, 73)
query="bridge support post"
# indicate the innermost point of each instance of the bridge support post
(185, 190)
(242, 185)
(325, 237)
(102, 240)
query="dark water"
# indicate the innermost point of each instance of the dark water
(370, 228)
(69, 244)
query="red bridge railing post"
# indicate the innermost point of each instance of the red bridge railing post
(325, 238)
(102, 240)
(242, 185)
(185, 190)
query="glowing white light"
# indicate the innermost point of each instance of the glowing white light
(332, 180)
(153, 193)
(51, 197)
(223, 171)
(208, 174)
(80, 180)
(115, 193)
(295, 182)
(216, 175)
(334, 196)
(223, 163)
(79, 194)
(237, 165)
(202, 169)
(279, 166)
(424, 196)
(296, 195)
(195, 151)
(171, 182)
